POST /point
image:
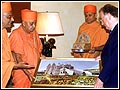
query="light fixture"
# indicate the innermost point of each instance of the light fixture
(49, 24)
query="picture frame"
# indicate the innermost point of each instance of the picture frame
(66, 72)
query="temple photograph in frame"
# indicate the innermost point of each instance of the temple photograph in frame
(68, 67)
(67, 72)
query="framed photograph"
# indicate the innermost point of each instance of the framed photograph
(66, 72)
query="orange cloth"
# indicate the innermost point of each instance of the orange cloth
(7, 59)
(6, 7)
(98, 36)
(28, 15)
(30, 47)
(90, 8)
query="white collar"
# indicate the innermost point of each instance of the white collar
(114, 26)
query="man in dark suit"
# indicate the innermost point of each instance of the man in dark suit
(108, 77)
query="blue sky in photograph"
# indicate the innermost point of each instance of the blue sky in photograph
(78, 65)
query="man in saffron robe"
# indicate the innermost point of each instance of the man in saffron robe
(26, 44)
(94, 31)
(8, 62)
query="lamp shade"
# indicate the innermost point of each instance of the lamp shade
(49, 23)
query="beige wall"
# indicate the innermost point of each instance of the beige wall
(72, 16)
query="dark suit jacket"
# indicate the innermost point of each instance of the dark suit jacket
(109, 57)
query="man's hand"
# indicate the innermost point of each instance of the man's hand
(92, 50)
(31, 77)
(77, 55)
(98, 84)
(23, 65)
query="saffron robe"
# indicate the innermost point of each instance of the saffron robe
(30, 47)
(7, 59)
(98, 35)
